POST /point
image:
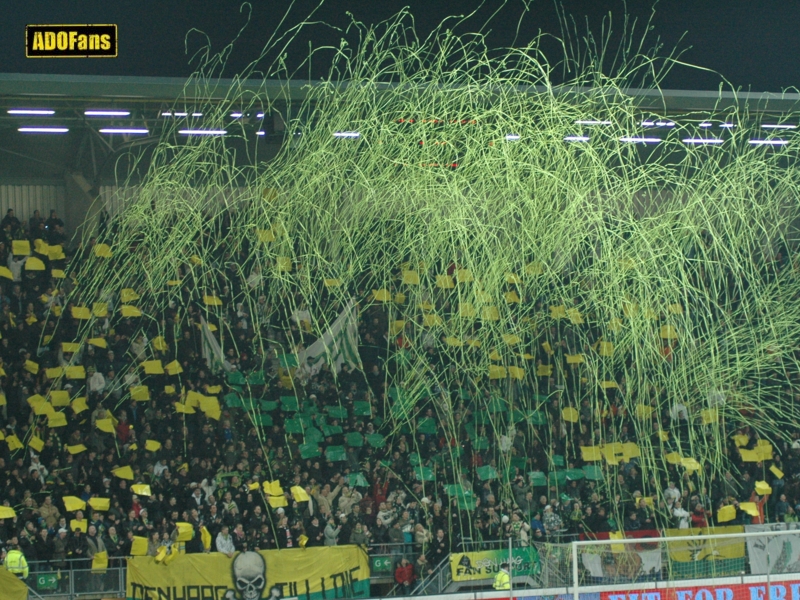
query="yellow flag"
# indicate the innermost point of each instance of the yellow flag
(173, 368)
(100, 562)
(776, 471)
(139, 546)
(153, 367)
(184, 531)
(152, 446)
(130, 311)
(123, 473)
(6, 512)
(76, 449)
(105, 425)
(141, 489)
(205, 535)
(81, 312)
(100, 504)
(36, 443)
(79, 405)
(160, 344)
(73, 503)
(299, 494)
(31, 367)
(100, 309)
(58, 419)
(591, 453)
(83, 525)
(140, 393)
(59, 398)
(763, 488)
(20, 247)
(750, 508)
(277, 501)
(497, 372)
(68, 347)
(14, 443)
(128, 295)
(102, 250)
(570, 415)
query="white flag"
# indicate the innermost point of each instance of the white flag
(337, 346)
(212, 351)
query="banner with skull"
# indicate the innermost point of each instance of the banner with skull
(306, 573)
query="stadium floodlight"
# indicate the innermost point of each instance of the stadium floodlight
(43, 129)
(768, 142)
(31, 111)
(639, 140)
(129, 130)
(107, 113)
(202, 132)
(703, 141)
(576, 138)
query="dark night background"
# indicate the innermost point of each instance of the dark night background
(754, 44)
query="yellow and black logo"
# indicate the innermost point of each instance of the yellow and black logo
(71, 41)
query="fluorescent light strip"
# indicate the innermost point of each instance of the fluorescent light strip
(706, 124)
(727, 125)
(665, 124)
(260, 116)
(107, 113)
(236, 115)
(576, 138)
(346, 134)
(261, 133)
(770, 126)
(31, 111)
(768, 142)
(648, 124)
(43, 129)
(124, 130)
(180, 114)
(640, 140)
(202, 132)
(197, 114)
(512, 137)
(703, 141)
(591, 122)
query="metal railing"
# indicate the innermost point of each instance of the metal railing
(75, 581)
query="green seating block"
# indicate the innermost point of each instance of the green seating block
(256, 378)
(233, 400)
(268, 405)
(336, 412)
(538, 479)
(313, 435)
(236, 378)
(558, 460)
(575, 474)
(593, 473)
(330, 430)
(293, 426)
(263, 419)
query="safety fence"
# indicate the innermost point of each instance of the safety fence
(638, 561)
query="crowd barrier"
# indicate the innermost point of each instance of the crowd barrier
(739, 564)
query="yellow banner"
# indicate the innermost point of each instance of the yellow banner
(12, 586)
(711, 549)
(306, 573)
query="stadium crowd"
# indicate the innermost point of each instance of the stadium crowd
(208, 470)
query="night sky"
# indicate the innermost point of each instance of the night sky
(754, 44)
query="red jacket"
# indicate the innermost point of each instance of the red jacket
(403, 574)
